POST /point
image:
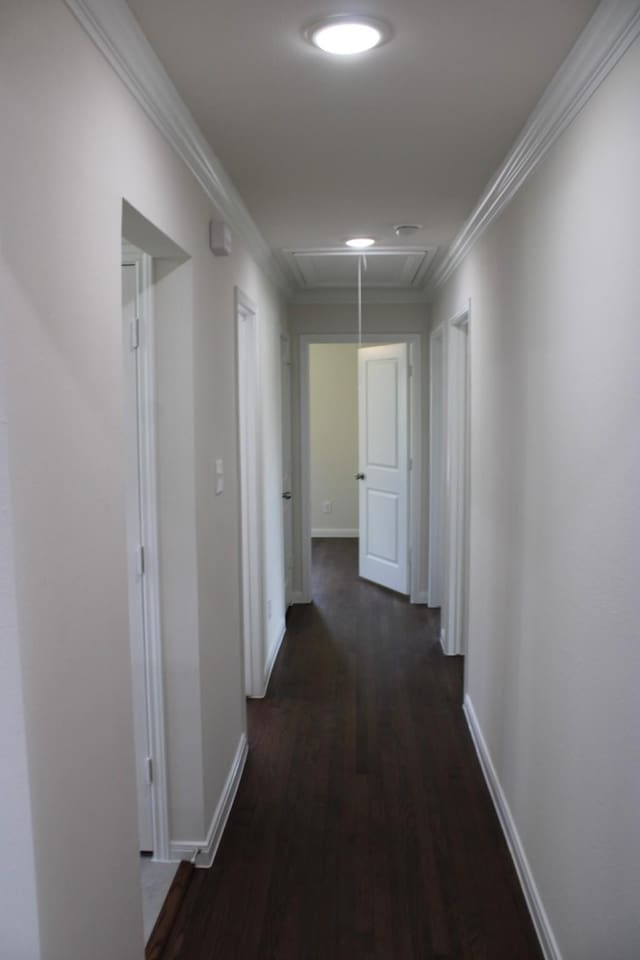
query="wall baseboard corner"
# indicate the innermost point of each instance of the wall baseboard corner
(271, 659)
(185, 849)
(298, 597)
(543, 929)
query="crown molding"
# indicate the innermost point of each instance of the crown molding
(118, 36)
(614, 26)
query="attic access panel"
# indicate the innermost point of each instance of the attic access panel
(385, 269)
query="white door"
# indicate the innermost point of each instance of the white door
(130, 299)
(287, 519)
(248, 417)
(437, 465)
(383, 444)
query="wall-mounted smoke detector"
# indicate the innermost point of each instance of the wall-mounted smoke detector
(406, 229)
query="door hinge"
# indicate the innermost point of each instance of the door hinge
(148, 769)
(140, 560)
(134, 333)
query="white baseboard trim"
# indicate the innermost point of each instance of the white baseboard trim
(268, 667)
(298, 597)
(336, 532)
(275, 650)
(539, 916)
(207, 848)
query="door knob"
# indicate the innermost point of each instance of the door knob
(286, 495)
(359, 476)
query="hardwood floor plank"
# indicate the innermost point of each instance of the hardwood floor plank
(362, 829)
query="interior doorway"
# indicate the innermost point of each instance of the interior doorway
(360, 443)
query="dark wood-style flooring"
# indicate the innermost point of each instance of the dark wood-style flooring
(362, 828)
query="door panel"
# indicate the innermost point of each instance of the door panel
(383, 413)
(382, 525)
(287, 471)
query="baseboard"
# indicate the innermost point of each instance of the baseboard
(298, 597)
(334, 532)
(275, 650)
(539, 916)
(207, 848)
(420, 597)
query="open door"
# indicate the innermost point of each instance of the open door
(383, 444)
(287, 513)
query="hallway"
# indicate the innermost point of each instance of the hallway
(362, 827)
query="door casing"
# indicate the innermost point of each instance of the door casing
(154, 669)
(417, 576)
(451, 460)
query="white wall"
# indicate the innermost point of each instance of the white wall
(554, 657)
(75, 145)
(333, 419)
(19, 935)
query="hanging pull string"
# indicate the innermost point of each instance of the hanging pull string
(362, 264)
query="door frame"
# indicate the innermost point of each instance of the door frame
(416, 535)
(286, 397)
(437, 474)
(249, 472)
(154, 666)
(455, 414)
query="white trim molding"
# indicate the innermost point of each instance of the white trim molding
(538, 913)
(613, 28)
(297, 598)
(273, 656)
(335, 532)
(205, 850)
(118, 36)
(148, 493)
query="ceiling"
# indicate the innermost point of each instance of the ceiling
(322, 148)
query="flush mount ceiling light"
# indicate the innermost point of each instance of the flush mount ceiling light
(360, 243)
(345, 35)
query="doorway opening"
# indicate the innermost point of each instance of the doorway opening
(146, 256)
(360, 443)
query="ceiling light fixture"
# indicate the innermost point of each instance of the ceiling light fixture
(345, 35)
(360, 243)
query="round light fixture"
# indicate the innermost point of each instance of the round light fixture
(345, 35)
(360, 243)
